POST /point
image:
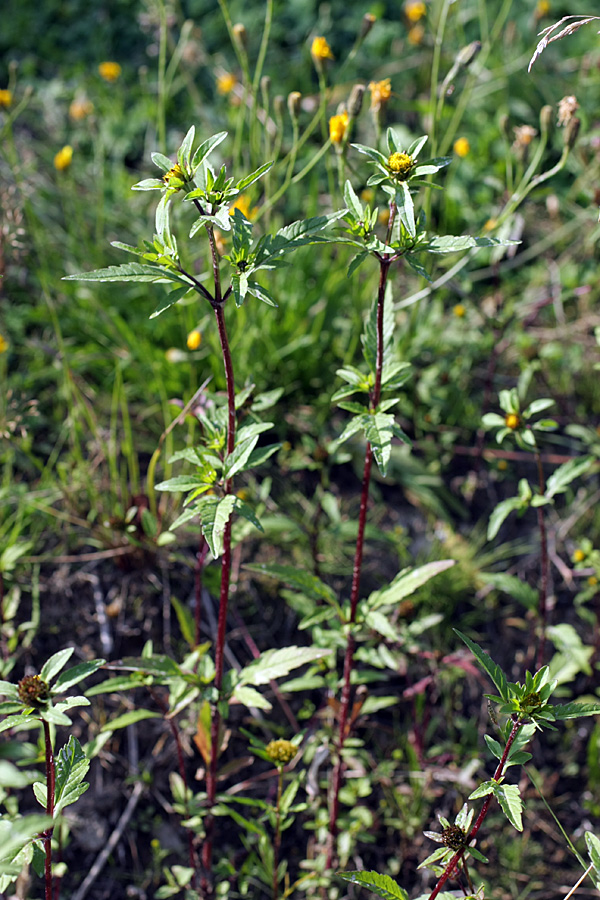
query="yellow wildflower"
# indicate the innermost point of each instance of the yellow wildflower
(337, 127)
(226, 83)
(381, 91)
(320, 50)
(578, 555)
(281, 751)
(367, 195)
(242, 202)
(80, 108)
(414, 10)
(3, 344)
(542, 9)
(384, 217)
(110, 71)
(512, 421)
(415, 35)
(5, 98)
(459, 310)
(592, 581)
(63, 158)
(490, 225)
(194, 339)
(400, 164)
(242, 494)
(502, 465)
(461, 146)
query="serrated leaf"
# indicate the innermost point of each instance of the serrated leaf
(273, 664)
(454, 243)
(565, 474)
(382, 885)
(56, 662)
(379, 433)
(575, 710)
(215, 513)
(246, 511)
(352, 202)
(482, 790)
(16, 721)
(406, 583)
(494, 671)
(171, 299)
(509, 798)
(124, 272)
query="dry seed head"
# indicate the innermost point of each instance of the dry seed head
(355, 100)
(281, 751)
(368, 21)
(453, 837)
(240, 35)
(566, 109)
(571, 132)
(32, 690)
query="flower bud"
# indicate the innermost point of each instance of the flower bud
(293, 103)
(278, 102)
(465, 57)
(546, 119)
(503, 125)
(367, 23)
(240, 35)
(571, 132)
(355, 100)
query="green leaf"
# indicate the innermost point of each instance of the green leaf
(502, 512)
(205, 148)
(185, 619)
(76, 674)
(565, 474)
(273, 664)
(514, 587)
(27, 720)
(261, 293)
(482, 790)
(124, 272)
(494, 671)
(299, 579)
(129, 718)
(406, 208)
(250, 697)
(575, 710)
(352, 202)
(171, 299)
(453, 243)
(71, 768)
(214, 514)
(56, 662)
(149, 184)
(382, 885)
(55, 716)
(593, 848)
(379, 433)
(375, 155)
(246, 511)
(406, 583)
(180, 483)
(254, 176)
(15, 833)
(509, 798)
(185, 151)
(162, 162)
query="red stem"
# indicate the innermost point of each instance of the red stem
(199, 569)
(215, 724)
(384, 265)
(517, 724)
(50, 789)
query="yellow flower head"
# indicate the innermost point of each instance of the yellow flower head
(490, 224)
(5, 98)
(461, 147)
(63, 158)
(414, 10)
(415, 35)
(281, 751)
(80, 109)
(542, 9)
(320, 50)
(381, 91)
(226, 83)
(337, 127)
(400, 165)
(578, 555)
(175, 177)
(194, 339)
(459, 310)
(502, 465)
(3, 344)
(110, 71)
(512, 421)
(242, 202)
(592, 581)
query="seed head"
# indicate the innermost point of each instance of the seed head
(281, 751)
(454, 837)
(355, 100)
(32, 690)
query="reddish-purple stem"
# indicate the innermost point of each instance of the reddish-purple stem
(517, 724)
(199, 569)
(384, 266)
(50, 788)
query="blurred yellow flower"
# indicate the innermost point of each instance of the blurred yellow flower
(63, 158)
(384, 217)
(461, 146)
(459, 310)
(414, 10)
(367, 195)
(490, 225)
(242, 494)
(242, 202)
(381, 91)
(321, 50)
(592, 581)
(80, 108)
(415, 35)
(502, 465)
(512, 421)
(194, 339)
(110, 71)
(578, 555)
(5, 98)
(3, 344)
(542, 9)
(226, 83)
(337, 127)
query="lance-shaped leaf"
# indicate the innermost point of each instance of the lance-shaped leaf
(493, 670)
(205, 148)
(215, 513)
(76, 674)
(130, 272)
(379, 433)
(56, 662)
(253, 176)
(450, 243)
(382, 885)
(299, 579)
(273, 664)
(406, 583)
(298, 234)
(563, 476)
